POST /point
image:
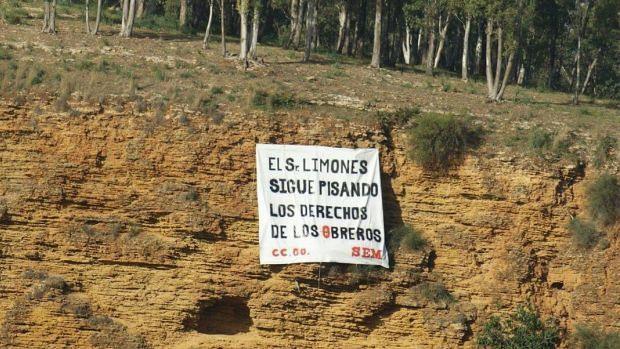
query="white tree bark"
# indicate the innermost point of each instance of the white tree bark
(310, 28)
(294, 23)
(442, 39)
(140, 9)
(46, 16)
(376, 44)
(478, 52)
(129, 14)
(407, 45)
(342, 22)
(588, 75)
(205, 41)
(489, 64)
(498, 64)
(223, 26)
(255, 25)
(95, 30)
(243, 42)
(507, 73)
(465, 57)
(183, 13)
(300, 21)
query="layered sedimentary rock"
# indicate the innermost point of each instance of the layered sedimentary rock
(150, 219)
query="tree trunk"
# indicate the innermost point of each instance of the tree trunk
(498, 64)
(130, 18)
(430, 51)
(140, 8)
(577, 78)
(300, 21)
(588, 74)
(243, 41)
(360, 29)
(478, 51)
(205, 42)
(223, 26)
(294, 24)
(97, 19)
(310, 28)
(489, 64)
(95, 31)
(521, 76)
(376, 44)
(342, 22)
(124, 17)
(407, 45)
(52, 19)
(46, 16)
(499, 94)
(86, 17)
(183, 13)
(442, 39)
(255, 24)
(465, 57)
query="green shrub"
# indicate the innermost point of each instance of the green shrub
(405, 237)
(522, 330)
(590, 337)
(584, 233)
(435, 292)
(604, 149)
(259, 99)
(439, 142)
(400, 117)
(5, 54)
(540, 140)
(36, 76)
(12, 13)
(282, 100)
(216, 90)
(604, 199)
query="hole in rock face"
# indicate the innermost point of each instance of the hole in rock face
(557, 285)
(228, 315)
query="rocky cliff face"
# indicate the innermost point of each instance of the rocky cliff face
(141, 229)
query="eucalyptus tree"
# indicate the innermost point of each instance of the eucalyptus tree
(376, 43)
(243, 6)
(49, 17)
(205, 41)
(311, 29)
(94, 30)
(127, 18)
(257, 7)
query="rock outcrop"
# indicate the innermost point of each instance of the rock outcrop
(151, 223)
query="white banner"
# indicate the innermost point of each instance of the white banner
(319, 204)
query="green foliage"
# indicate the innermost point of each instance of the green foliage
(277, 100)
(584, 233)
(216, 90)
(5, 54)
(282, 100)
(435, 292)
(12, 12)
(540, 140)
(259, 99)
(604, 199)
(592, 337)
(159, 73)
(523, 329)
(405, 237)
(439, 142)
(36, 76)
(400, 117)
(604, 149)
